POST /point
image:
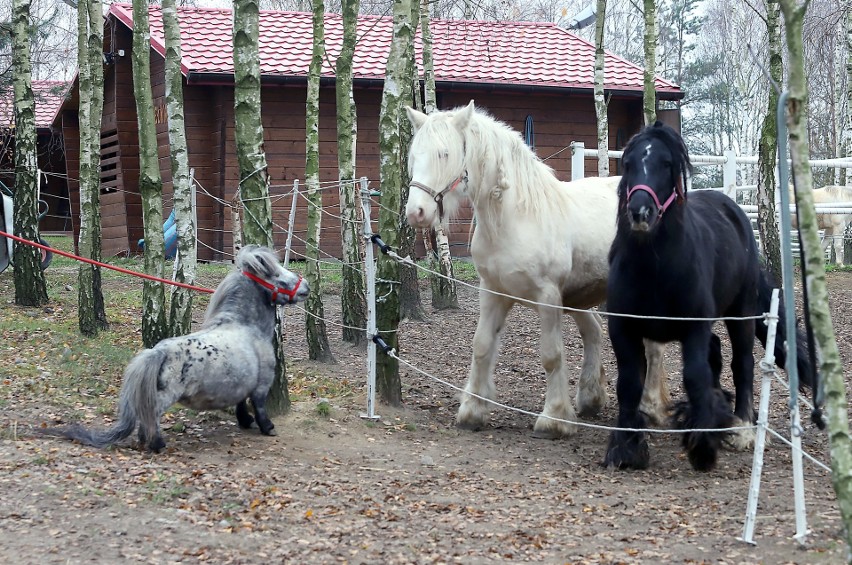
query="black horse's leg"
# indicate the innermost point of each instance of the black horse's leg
(258, 400)
(628, 449)
(715, 359)
(708, 407)
(742, 366)
(244, 419)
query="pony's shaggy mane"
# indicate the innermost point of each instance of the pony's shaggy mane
(254, 259)
(682, 166)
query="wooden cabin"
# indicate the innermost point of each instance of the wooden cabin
(53, 185)
(535, 76)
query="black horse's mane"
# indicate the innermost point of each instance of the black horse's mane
(680, 154)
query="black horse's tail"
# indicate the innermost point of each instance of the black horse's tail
(137, 404)
(806, 365)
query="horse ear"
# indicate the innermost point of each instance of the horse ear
(416, 117)
(462, 117)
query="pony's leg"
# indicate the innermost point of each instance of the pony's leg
(258, 400)
(742, 367)
(244, 419)
(557, 402)
(591, 391)
(473, 412)
(708, 407)
(655, 395)
(628, 449)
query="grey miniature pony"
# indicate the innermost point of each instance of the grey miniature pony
(230, 359)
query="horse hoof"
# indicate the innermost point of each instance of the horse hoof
(270, 432)
(546, 434)
(627, 450)
(470, 426)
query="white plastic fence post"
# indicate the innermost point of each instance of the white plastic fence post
(729, 174)
(578, 160)
(291, 222)
(370, 270)
(798, 476)
(767, 367)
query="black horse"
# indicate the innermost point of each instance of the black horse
(684, 256)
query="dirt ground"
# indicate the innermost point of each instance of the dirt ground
(410, 487)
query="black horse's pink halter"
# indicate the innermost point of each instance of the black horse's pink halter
(291, 294)
(676, 195)
(438, 196)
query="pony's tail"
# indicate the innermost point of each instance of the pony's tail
(806, 365)
(137, 404)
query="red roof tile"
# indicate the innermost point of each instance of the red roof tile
(49, 95)
(498, 53)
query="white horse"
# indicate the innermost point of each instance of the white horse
(537, 239)
(833, 225)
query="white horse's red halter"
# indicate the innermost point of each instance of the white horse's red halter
(438, 196)
(291, 294)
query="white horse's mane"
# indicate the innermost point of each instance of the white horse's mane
(522, 178)
(523, 182)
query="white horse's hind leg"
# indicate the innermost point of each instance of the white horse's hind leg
(591, 391)
(655, 395)
(473, 412)
(557, 403)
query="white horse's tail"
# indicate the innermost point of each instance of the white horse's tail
(137, 404)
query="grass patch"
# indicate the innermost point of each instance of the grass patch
(323, 409)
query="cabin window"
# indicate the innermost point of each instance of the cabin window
(529, 132)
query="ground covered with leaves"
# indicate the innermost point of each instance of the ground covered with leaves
(333, 487)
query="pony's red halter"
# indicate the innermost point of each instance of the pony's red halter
(291, 294)
(439, 196)
(661, 208)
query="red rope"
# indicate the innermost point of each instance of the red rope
(105, 265)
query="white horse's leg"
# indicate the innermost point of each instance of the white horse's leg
(473, 412)
(655, 396)
(557, 402)
(591, 391)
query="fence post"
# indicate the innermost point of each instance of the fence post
(729, 174)
(291, 222)
(578, 160)
(767, 368)
(370, 272)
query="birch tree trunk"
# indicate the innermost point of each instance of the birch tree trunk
(30, 287)
(830, 367)
(96, 68)
(150, 183)
(768, 149)
(91, 312)
(649, 101)
(846, 134)
(353, 300)
(410, 304)
(251, 159)
(180, 318)
(600, 101)
(88, 209)
(318, 346)
(387, 271)
(444, 292)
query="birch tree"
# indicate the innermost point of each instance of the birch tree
(318, 346)
(387, 275)
(444, 293)
(30, 287)
(600, 101)
(251, 160)
(180, 318)
(649, 100)
(150, 183)
(768, 149)
(410, 304)
(91, 313)
(353, 301)
(814, 269)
